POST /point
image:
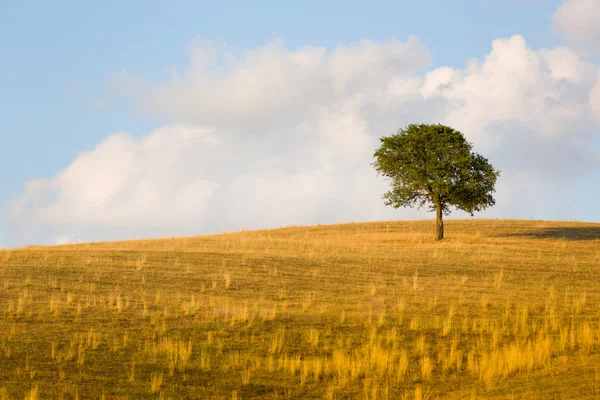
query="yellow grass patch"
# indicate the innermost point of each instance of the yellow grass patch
(371, 311)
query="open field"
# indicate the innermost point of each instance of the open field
(499, 309)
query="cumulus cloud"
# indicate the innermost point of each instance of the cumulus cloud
(579, 21)
(272, 83)
(595, 97)
(274, 136)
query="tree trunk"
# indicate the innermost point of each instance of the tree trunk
(439, 221)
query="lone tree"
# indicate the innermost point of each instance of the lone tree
(434, 165)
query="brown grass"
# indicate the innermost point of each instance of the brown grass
(499, 309)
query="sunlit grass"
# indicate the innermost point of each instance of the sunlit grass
(500, 309)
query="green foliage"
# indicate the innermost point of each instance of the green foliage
(433, 165)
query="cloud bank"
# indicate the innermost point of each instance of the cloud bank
(274, 136)
(579, 22)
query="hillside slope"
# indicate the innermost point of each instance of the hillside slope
(499, 309)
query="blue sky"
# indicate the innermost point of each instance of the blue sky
(58, 59)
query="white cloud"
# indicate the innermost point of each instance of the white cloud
(518, 85)
(595, 98)
(438, 80)
(579, 21)
(565, 64)
(273, 136)
(271, 83)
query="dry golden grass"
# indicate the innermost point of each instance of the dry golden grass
(500, 309)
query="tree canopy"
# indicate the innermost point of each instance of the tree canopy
(433, 165)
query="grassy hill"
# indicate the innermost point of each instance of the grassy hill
(499, 309)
